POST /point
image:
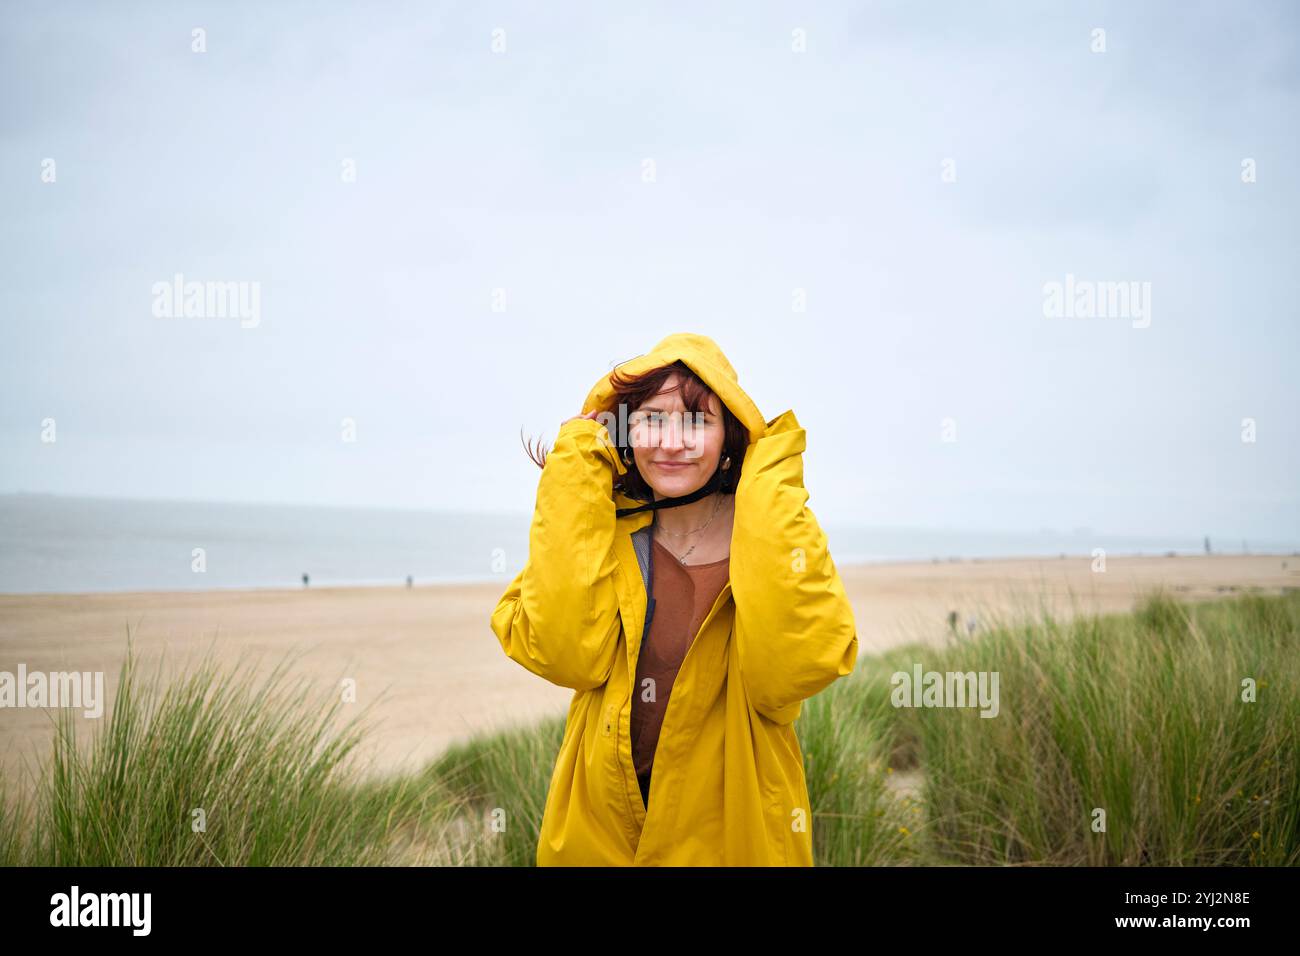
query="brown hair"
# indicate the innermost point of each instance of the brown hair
(635, 391)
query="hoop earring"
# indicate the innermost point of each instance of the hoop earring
(726, 462)
(625, 456)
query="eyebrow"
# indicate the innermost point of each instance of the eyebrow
(656, 408)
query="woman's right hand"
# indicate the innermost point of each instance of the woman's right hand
(591, 414)
(603, 435)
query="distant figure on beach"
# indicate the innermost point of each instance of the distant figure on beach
(409, 582)
(1207, 544)
(305, 579)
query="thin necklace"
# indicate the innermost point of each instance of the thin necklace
(682, 557)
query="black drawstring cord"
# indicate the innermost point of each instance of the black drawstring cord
(708, 488)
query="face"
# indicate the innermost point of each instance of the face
(676, 450)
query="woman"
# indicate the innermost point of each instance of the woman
(678, 582)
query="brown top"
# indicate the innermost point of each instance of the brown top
(684, 595)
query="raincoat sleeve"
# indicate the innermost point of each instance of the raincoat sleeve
(560, 615)
(795, 632)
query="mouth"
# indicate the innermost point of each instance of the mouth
(673, 465)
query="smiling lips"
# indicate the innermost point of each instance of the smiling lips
(673, 465)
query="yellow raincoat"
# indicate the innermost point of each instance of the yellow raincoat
(728, 786)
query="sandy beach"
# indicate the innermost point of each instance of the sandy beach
(431, 655)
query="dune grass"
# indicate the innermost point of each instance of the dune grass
(1139, 715)
(223, 770)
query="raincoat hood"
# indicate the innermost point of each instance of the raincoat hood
(702, 355)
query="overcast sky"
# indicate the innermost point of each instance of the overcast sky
(919, 170)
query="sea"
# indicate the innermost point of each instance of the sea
(64, 544)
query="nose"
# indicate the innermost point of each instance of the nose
(670, 433)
